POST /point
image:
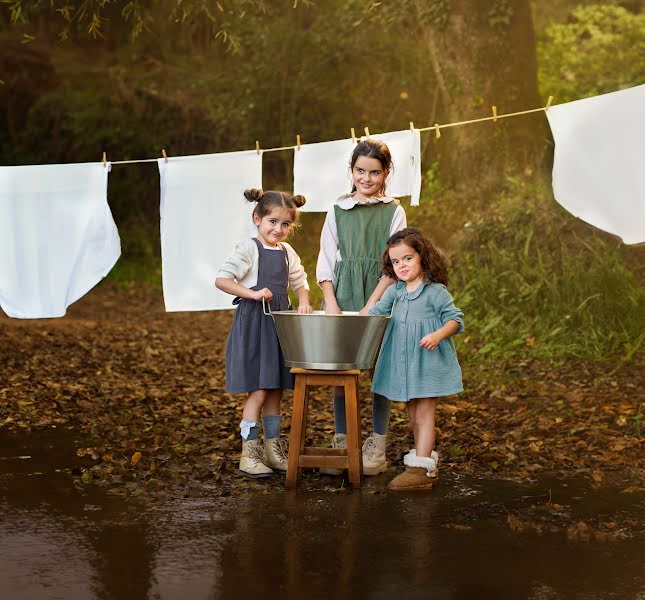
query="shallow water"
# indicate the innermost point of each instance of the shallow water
(58, 540)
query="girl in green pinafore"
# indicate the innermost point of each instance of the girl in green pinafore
(349, 271)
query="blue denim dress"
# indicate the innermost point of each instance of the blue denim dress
(404, 370)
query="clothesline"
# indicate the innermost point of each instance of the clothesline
(436, 127)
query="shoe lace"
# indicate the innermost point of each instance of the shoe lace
(369, 447)
(280, 448)
(257, 453)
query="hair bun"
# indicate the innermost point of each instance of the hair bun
(299, 200)
(253, 194)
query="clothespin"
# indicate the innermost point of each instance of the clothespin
(548, 103)
(494, 114)
(298, 141)
(411, 126)
(437, 131)
(367, 132)
(104, 160)
(353, 135)
(257, 146)
(163, 153)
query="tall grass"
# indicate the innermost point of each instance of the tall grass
(535, 281)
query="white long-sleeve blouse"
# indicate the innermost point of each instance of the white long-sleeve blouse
(242, 265)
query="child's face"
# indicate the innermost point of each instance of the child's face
(406, 262)
(274, 226)
(368, 175)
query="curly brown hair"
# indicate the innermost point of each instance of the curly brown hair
(433, 262)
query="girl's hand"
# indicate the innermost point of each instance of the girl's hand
(265, 293)
(333, 309)
(305, 309)
(365, 310)
(431, 341)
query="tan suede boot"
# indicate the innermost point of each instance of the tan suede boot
(252, 460)
(420, 474)
(276, 450)
(374, 454)
(339, 441)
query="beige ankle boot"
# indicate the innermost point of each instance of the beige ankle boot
(276, 450)
(420, 474)
(374, 454)
(252, 460)
(339, 441)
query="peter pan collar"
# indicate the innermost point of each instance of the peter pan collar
(402, 293)
(349, 201)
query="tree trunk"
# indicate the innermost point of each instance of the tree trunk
(483, 53)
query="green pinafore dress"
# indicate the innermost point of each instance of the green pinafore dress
(363, 232)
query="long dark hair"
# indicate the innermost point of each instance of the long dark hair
(433, 262)
(373, 149)
(267, 201)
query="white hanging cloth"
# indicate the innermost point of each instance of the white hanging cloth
(321, 171)
(57, 236)
(203, 216)
(405, 148)
(599, 161)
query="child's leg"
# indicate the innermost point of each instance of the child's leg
(412, 415)
(381, 414)
(425, 421)
(340, 420)
(275, 448)
(252, 458)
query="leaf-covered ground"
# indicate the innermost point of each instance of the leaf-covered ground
(147, 387)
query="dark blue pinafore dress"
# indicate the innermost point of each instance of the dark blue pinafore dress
(253, 356)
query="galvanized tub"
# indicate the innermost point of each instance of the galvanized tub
(329, 342)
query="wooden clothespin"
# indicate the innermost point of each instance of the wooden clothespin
(104, 160)
(353, 135)
(437, 131)
(257, 146)
(163, 153)
(411, 126)
(548, 103)
(298, 141)
(494, 114)
(367, 132)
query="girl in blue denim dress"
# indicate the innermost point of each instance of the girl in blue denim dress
(417, 363)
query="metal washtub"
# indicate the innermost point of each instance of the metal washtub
(328, 342)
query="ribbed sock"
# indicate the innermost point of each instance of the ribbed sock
(271, 425)
(381, 414)
(252, 428)
(340, 419)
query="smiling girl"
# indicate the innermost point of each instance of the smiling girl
(417, 363)
(262, 268)
(349, 271)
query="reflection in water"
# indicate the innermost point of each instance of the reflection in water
(57, 541)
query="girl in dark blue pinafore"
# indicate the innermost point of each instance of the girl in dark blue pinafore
(262, 268)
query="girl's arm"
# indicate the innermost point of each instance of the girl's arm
(230, 286)
(379, 290)
(383, 306)
(451, 317)
(331, 304)
(303, 300)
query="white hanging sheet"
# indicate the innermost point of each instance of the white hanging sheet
(203, 216)
(599, 161)
(57, 236)
(321, 171)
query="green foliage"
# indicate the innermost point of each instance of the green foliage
(600, 49)
(533, 281)
(500, 14)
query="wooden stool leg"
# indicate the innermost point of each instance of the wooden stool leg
(297, 435)
(352, 412)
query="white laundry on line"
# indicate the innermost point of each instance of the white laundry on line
(203, 216)
(599, 161)
(321, 171)
(57, 236)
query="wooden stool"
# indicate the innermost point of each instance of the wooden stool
(336, 458)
